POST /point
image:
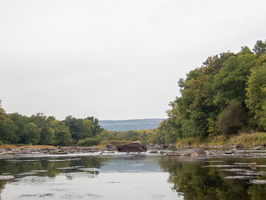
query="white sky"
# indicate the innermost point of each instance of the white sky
(113, 59)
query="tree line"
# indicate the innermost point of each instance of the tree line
(226, 95)
(40, 129)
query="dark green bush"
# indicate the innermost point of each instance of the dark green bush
(231, 120)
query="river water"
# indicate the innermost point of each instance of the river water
(131, 177)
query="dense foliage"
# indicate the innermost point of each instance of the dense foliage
(226, 95)
(40, 129)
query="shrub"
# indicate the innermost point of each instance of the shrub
(115, 142)
(88, 142)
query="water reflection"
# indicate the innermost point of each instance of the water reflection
(132, 177)
(216, 178)
(92, 177)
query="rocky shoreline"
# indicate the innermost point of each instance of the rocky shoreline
(187, 151)
(51, 151)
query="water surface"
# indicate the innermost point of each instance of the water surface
(86, 177)
(139, 176)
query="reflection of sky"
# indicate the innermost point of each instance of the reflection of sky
(111, 186)
(141, 178)
(131, 165)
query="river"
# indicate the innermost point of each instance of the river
(131, 177)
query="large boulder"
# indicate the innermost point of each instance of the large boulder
(136, 146)
(239, 146)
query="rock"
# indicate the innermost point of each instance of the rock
(256, 148)
(228, 152)
(189, 152)
(110, 147)
(253, 165)
(153, 151)
(198, 152)
(240, 146)
(136, 146)
(173, 154)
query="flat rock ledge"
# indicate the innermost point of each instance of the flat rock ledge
(188, 152)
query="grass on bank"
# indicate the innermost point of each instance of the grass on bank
(8, 146)
(254, 139)
(246, 139)
(102, 145)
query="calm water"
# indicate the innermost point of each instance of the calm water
(132, 177)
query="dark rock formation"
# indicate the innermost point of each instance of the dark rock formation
(136, 146)
(240, 146)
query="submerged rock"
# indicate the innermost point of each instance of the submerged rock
(188, 152)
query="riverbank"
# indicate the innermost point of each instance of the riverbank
(248, 140)
(254, 141)
(51, 150)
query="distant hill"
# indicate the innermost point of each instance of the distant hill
(128, 125)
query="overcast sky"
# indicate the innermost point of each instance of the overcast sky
(113, 59)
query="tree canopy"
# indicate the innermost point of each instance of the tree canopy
(43, 130)
(226, 95)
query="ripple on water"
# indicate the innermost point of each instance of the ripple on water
(26, 174)
(239, 177)
(89, 169)
(245, 172)
(258, 181)
(34, 196)
(72, 175)
(34, 180)
(69, 168)
(221, 166)
(6, 177)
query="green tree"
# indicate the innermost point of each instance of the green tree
(207, 96)
(8, 128)
(256, 94)
(88, 127)
(76, 128)
(62, 135)
(106, 135)
(260, 48)
(230, 83)
(31, 133)
(82, 128)
(46, 125)
(20, 122)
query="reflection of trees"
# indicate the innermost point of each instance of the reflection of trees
(2, 185)
(257, 192)
(49, 167)
(201, 183)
